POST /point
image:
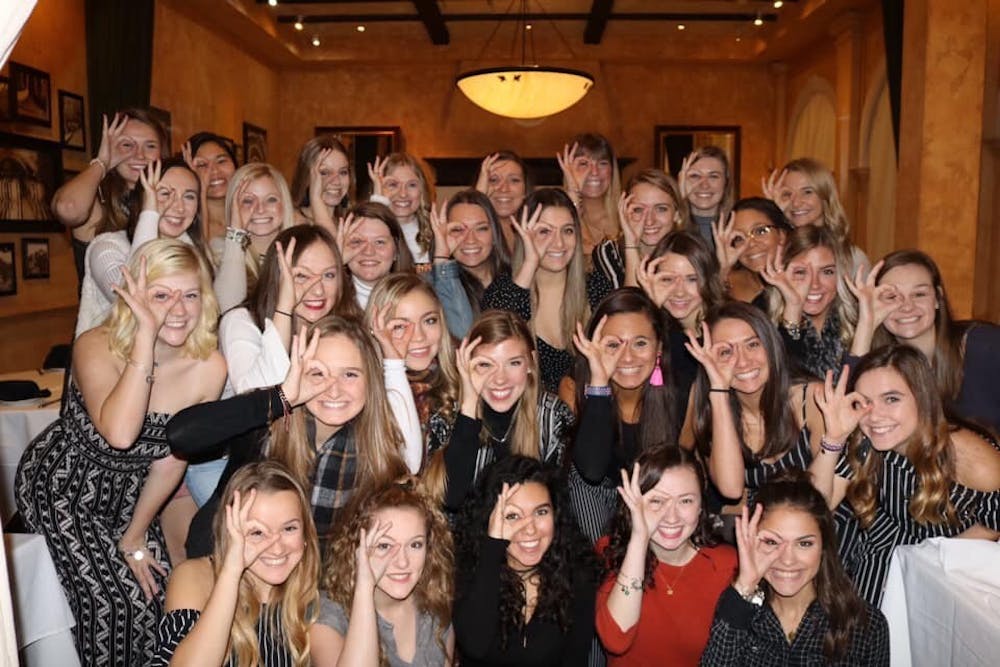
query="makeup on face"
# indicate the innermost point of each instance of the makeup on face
(470, 233)
(373, 249)
(893, 416)
(530, 511)
(737, 338)
(335, 178)
(507, 187)
(706, 185)
(556, 223)
(506, 366)
(917, 301)
(182, 317)
(676, 499)
(213, 162)
(818, 267)
(275, 513)
(317, 282)
(755, 232)
(796, 535)
(655, 208)
(177, 196)
(344, 369)
(402, 186)
(804, 204)
(424, 314)
(262, 207)
(407, 531)
(635, 333)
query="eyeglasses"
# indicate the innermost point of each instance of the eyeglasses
(758, 232)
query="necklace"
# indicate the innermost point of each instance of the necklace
(505, 435)
(791, 636)
(670, 586)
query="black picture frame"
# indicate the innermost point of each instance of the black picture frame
(364, 143)
(673, 143)
(163, 116)
(33, 172)
(4, 98)
(35, 258)
(29, 95)
(8, 270)
(72, 121)
(254, 143)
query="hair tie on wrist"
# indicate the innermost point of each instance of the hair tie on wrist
(281, 312)
(718, 391)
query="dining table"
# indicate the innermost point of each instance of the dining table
(20, 422)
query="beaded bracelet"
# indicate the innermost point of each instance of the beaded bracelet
(104, 167)
(794, 329)
(241, 236)
(628, 585)
(591, 390)
(831, 446)
(150, 373)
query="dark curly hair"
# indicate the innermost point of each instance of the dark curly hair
(652, 465)
(569, 558)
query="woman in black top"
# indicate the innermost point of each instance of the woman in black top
(791, 603)
(526, 577)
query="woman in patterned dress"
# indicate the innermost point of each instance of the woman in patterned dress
(94, 481)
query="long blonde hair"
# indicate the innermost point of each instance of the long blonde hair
(298, 596)
(575, 306)
(425, 234)
(379, 441)
(165, 257)
(251, 172)
(434, 591)
(834, 217)
(443, 377)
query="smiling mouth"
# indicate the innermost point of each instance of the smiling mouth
(401, 578)
(908, 320)
(881, 430)
(747, 375)
(175, 325)
(274, 562)
(314, 304)
(629, 370)
(786, 574)
(216, 182)
(501, 394)
(419, 351)
(670, 532)
(334, 405)
(529, 545)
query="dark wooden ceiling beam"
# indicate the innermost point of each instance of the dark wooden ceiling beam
(735, 17)
(600, 11)
(430, 15)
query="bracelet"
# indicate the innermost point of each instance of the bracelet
(631, 247)
(281, 312)
(629, 585)
(719, 391)
(104, 167)
(794, 329)
(150, 372)
(286, 407)
(754, 597)
(592, 390)
(831, 446)
(241, 236)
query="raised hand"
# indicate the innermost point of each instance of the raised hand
(775, 190)
(473, 379)
(775, 273)
(644, 514)
(307, 376)
(841, 410)
(656, 289)
(504, 523)
(374, 554)
(247, 541)
(376, 172)
(602, 352)
(485, 169)
(287, 298)
(240, 211)
(316, 178)
(631, 229)
(149, 179)
(134, 293)
(393, 335)
(718, 359)
(682, 175)
(112, 152)
(724, 233)
(527, 229)
(757, 551)
(346, 228)
(571, 182)
(875, 302)
(439, 225)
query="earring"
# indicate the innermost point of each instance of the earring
(656, 379)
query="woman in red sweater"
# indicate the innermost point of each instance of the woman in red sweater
(663, 572)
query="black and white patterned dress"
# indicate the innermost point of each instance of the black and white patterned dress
(79, 492)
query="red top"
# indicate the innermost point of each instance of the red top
(672, 629)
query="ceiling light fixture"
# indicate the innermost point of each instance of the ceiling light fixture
(758, 21)
(778, 4)
(315, 40)
(360, 28)
(528, 90)
(273, 3)
(681, 26)
(298, 24)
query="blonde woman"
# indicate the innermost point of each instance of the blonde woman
(400, 182)
(252, 602)
(95, 480)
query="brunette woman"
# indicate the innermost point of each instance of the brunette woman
(372, 245)
(95, 480)
(649, 209)
(663, 569)
(400, 179)
(625, 397)
(526, 580)
(750, 239)
(258, 206)
(507, 180)
(591, 179)
(503, 409)
(322, 183)
(213, 158)
(388, 585)
(96, 200)
(254, 599)
(343, 438)
(706, 183)
(550, 288)
(914, 476)
(791, 603)
(471, 251)
(749, 420)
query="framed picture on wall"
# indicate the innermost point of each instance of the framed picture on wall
(4, 98)
(32, 172)
(73, 127)
(676, 142)
(163, 116)
(364, 144)
(29, 95)
(8, 270)
(254, 143)
(34, 258)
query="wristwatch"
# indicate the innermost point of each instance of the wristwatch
(755, 597)
(136, 554)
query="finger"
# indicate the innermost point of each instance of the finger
(599, 330)
(253, 554)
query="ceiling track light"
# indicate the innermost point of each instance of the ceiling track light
(778, 4)
(272, 3)
(298, 24)
(315, 40)
(759, 21)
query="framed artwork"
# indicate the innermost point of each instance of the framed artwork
(29, 95)
(676, 142)
(31, 172)
(8, 271)
(163, 116)
(35, 258)
(72, 123)
(364, 144)
(4, 98)
(254, 143)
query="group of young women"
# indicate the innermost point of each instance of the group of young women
(522, 426)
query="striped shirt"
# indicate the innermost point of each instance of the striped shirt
(271, 643)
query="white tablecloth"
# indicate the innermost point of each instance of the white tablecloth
(18, 426)
(42, 616)
(942, 601)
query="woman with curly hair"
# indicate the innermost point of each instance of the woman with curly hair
(407, 319)
(663, 570)
(526, 577)
(254, 599)
(387, 588)
(791, 603)
(910, 474)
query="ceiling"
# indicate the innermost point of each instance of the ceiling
(490, 31)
